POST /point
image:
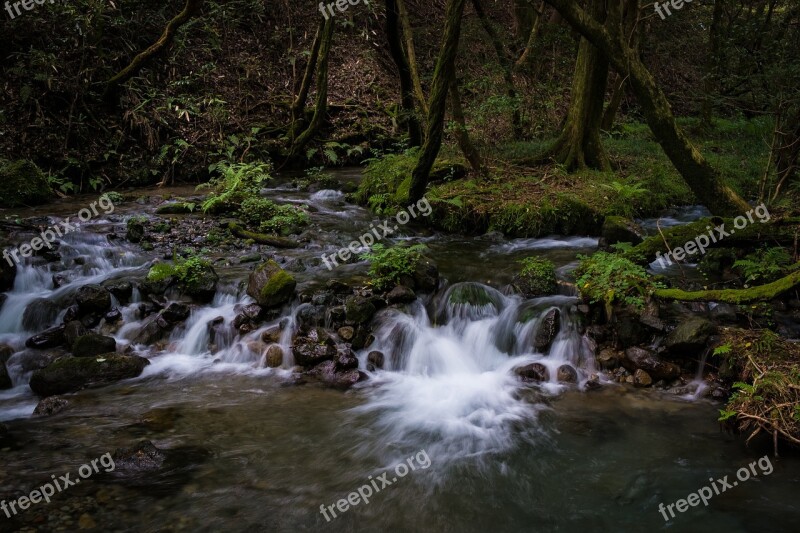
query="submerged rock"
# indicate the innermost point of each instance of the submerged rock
(71, 374)
(270, 285)
(50, 406)
(533, 372)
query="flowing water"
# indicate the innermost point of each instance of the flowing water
(504, 455)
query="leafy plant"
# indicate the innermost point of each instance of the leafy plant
(235, 183)
(626, 195)
(388, 265)
(764, 266)
(610, 278)
(538, 276)
(266, 216)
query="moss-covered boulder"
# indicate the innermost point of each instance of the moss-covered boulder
(71, 374)
(690, 337)
(359, 310)
(92, 344)
(270, 285)
(620, 229)
(22, 183)
(537, 278)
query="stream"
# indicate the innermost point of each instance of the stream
(260, 453)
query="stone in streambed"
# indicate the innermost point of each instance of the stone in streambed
(690, 337)
(375, 360)
(50, 338)
(5, 379)
(639, 358)
(533, 372)
(314, 348)
(641, 378)
(71, 374)
(50, 406)
(401, 295)
(547, 331)
(270, 285)
(92, 344)
(566, 374)
(93, 299)
(39, 314)
(326, 373)
(359, 310)
(274, 356)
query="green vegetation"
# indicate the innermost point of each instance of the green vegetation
(537, 277)
(765, 265)
(194, 274)
(235, 183)
(266, 216)
(389, 264)
(610, 278)
(22, 183)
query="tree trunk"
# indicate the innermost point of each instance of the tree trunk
(113, 84)
(442, 77)
(506, 65)
(610, 114)
(299, 104)
(525, 57)
(321, 103)
(709, 83)
(705, 182)
(461, 133)
(411, 53)
(579, 145)
(408, 118)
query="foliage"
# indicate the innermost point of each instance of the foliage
(388, 265)
(235, 183)
(188, 272)
(610, 278)
(385, 174)
(265, 216)
(626, 195)
(764, 266)
(538, 275)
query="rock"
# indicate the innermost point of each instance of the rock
(724, 313)
(71, 314)
(641, 378)
(346, 333)
(30, 360)
(39, 314)
(375, 360)
(345, 359)
(327, 374)
(92, 344)
(323, 298)
(359, 310)
(690, 337)
(122, 290)
(22, 183)
(309, 316)
(619, 229)
(547, 331)
(338, 287)
(113, 316)
(6, 352)
(176, 312)
(49, 338)
(71, 374)
(272, 335)
(5, 379)
(135, 230)
(152, 331)
(426, 276)
(593, 383)
(201, 283)
(139, 459)
(537, 278)
(51, 406)
(313, 349)
(533, 372)
(609, 359)
(72, 331)
(270, 285)
(8, 273)
(566, 374)
(401, 295)
(639, 358)
(176, 208)
(362, 338)
(274, 356)
(93, 299)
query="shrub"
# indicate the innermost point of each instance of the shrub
(537, 277)
(764, 266)
(610, 278)
(266, 216)
(235, 183)
(388, 265)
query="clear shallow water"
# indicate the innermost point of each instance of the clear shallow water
(504, 456)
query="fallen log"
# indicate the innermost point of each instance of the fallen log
(762, 293)
(261, 238)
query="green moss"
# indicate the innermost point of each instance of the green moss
(278, 287)
(537, 277)
(160, 272)
(761, 293)
(22, 183)
(388, 265)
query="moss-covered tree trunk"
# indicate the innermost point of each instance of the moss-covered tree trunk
(408, 118)
(460, 131)
(533, 35)
(506, 64)
(321, 102)
(408, 34)
(704, 180)
(191, 8)
(442, 77)
(299, 103)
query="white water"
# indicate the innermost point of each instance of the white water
(453, 384)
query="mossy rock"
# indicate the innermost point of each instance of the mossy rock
(270, 285)
(537, 278)
(22, 183)
(71, 374)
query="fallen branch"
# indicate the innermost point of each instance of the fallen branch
(762, 293)
(261, 238)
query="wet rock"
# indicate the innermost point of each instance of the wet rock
(176, 312)
(91, 320)
(426, 276)
(537, 279)
(316, 347)
(135, 230)
(346, 333)
(619, 229)
(202, 285)
(93, 299)
(253, 311)
(566, 374)
(152, 331)
(51, 406)
(92, 344)
(326, 373)
(345, 359)
(323, 298)
(593, 383)
(6, 352)
(8, 274)
(641, 378)
(274, 356)
(309, 316)
(375, 360)
(337, 315)
(140, 459)
(72, 331)
(71, 314)
(270, 285)
(49, 338)
(690, 337)
(639, 358)
(533, 372)
(40, 313)
(401, 295)
(547, 331)
(363, 338)
(71, 374)
(272, 335)
(724, 313)
(30, 360)
(160, 419)
(122, 290)
(113, 316)
(359, 310)
(59, 280)
(295, 265)
(338, 287)
(5, 379)
(609, 359)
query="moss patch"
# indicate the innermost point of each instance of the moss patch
(22, 183)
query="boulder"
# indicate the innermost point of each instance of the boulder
(567, 374)
(639, 358)
(641, 378)
(533, 372)
(272, 334)
(50, 406)
(92, 344)
(176, 312)
(270, 285)
(690, 337)
(359, 310)
(326, 373)
(201, 282)
(49, 338)
(122, 290)
(72, 331)
(22, 183)
(93, 299)
(537, 278)
(401, 295)
(313, 349)
(135, 230)
(345, 359)
(274, 356)
(71, 374)
(547, 331)
(375, 360)
(38, 314)
(152, 331)
(620, 229)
